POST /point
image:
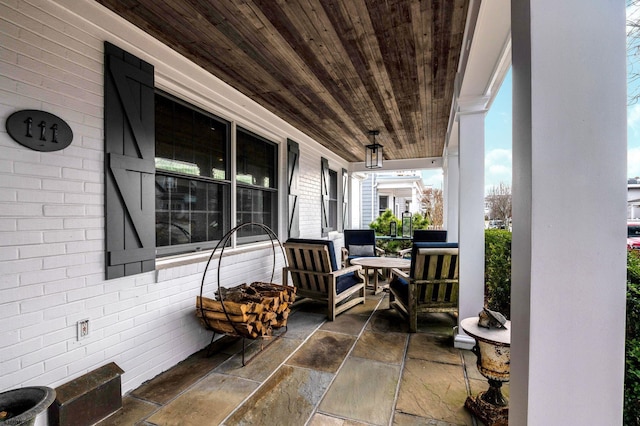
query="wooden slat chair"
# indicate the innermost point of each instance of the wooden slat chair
(432, 283)
(315, 274)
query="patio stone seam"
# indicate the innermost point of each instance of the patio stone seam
(142, 421)
(157, 404)
(435, 361)
(336, 416)
(467, 384)
(333, 379)
(439, 422)
(402, 365)
(275, 370)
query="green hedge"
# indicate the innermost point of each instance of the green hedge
(632, 349)
(497, 270)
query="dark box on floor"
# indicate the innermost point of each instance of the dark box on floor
(88, 398)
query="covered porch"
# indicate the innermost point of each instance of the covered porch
(304, 82)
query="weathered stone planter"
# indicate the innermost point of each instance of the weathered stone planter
(493, 349)
(21, 406)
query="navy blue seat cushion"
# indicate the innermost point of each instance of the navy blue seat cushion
(346, 281)
(343, 282)
(400, 287)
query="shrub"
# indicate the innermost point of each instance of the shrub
(632, 349)
(381, 226)
(497, 270)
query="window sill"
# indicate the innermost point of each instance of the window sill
(182, 265)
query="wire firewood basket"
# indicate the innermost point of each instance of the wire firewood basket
(249, 311)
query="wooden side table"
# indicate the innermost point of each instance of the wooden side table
(375, 263)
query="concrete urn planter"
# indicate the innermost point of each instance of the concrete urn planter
(22, 406)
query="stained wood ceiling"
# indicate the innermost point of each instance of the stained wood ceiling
(332, 68)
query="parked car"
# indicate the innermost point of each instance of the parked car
(496, 224)
(633, 235)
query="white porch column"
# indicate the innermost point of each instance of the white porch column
(569, 209)
(471, 220)
(451, 192)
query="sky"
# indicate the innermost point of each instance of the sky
(498, 143)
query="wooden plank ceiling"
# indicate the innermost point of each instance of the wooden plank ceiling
(332, 68)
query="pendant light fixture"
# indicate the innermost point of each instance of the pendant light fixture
(373, 152)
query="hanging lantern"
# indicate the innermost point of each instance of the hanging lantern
(373, 152)
(393, 228)
(406, 224)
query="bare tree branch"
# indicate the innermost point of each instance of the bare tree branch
(499, 201)
(433, 204)
(633, 50)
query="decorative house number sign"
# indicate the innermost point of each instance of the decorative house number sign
(39, 130)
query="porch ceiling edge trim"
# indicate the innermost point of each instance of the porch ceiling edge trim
(393, 165)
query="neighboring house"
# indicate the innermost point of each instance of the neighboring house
(397, 191)
(633, 198)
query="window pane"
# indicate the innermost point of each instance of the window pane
(333, 214)
(189, 211)
(164, 131)
(183, 140)
(209, 146)
(172, 213)
(256, 161)
(384, 203)
(333, 200)
(218, 201)
(189, 141)
(258, 206)
(333, 185)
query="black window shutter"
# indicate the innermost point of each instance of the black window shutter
(129, 111)
(345, 199)
(293, 164)
(325, 185)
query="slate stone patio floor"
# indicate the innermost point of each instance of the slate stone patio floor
(362, 369)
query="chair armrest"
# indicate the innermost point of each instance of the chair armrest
(403, 252)
(339, 272)
(378, 251)
(400, 273)
(348, 269)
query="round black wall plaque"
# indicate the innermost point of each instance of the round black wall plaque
(39, 130)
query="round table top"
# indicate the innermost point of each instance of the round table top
(493, 335)
(382, 262)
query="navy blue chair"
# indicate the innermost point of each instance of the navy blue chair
(315, 274)
(426, 236)
(359, 243)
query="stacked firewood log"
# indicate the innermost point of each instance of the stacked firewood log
(247, 310)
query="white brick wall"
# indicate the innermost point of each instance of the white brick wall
(51, 208)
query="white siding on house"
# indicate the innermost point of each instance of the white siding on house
(368, 203)
(51, 206)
